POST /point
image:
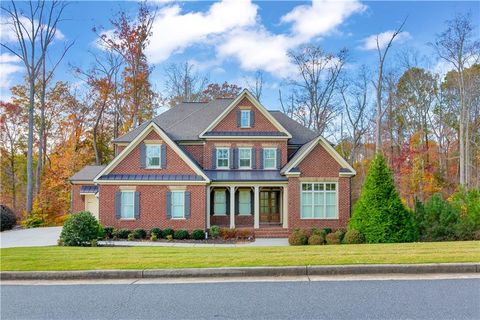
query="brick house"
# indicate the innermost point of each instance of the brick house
(228, 162)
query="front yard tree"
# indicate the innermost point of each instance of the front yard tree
(379, 214)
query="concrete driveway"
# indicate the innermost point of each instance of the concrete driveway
(36, 237)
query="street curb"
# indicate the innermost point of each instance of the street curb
(245, 271)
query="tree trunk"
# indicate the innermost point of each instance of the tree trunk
(38, 175)
(29, 195)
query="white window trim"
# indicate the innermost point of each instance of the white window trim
(121, 204)
(325, 202)
(239, 158)
(220, 214)
(228, 158)
(245, 214)
(242, 112)
(147, 166)
(183, 205)
(275, 157)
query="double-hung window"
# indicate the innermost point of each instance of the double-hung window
(244, 158)
(319, 200)
(244, 202)
(178, 204)
(245, 119)
(127, 210)
(220, 202)
(152, 152)
(270, 158)
(223, 158)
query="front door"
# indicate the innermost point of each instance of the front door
(91, 204)
(270, 206)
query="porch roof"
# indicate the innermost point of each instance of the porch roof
(152, 177)
(88, 189)
(245, 175)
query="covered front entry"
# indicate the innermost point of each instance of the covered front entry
(247, 206)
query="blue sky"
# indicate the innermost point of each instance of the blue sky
(230, 40)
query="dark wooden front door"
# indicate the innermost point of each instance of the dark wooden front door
(270, 206)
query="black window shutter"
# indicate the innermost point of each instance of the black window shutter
(252, 118)
(187, 204)
(168, 205)
(227, 194)
(137, 205)
(118, 204)
(261, 158)
(214, 158)
(235, 164)
(252, 202)
(237, 202)
(163, 156)
(143, 156)
(231, 164)
(254, 158)
(279, 157)
(239, 118)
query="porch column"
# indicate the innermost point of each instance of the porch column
(208, 207)
(232, 207)
(256, 207)
(285, 207)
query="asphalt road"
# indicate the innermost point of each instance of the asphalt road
(373, 299)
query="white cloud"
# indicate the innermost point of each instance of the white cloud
(8, 66)
(370, 42)
(7, 30)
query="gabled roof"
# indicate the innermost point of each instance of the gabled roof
(300, 134)
(87, 173)
(140, 136)
(291, 167)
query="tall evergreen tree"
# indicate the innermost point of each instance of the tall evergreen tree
(379, 214)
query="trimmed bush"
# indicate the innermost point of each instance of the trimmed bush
(157, 232)
(153, 237)
(181, 234)
(315, 239)
(108, 232)
(298, 238)
(379, 213)
(227, 233)
(139, 233)
(244, 234)
(198, 234)
(340, 233)
(333, 238)
(214, 232)
(7, 218)
(130, 237)
(167, 232)
(327, 230)
(121, 233)
(80, 229)
(353, 236)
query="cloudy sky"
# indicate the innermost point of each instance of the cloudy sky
(231, 39)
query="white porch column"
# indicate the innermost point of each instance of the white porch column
(285, 207)
(256, 207)
(208, 207)
(232, 207)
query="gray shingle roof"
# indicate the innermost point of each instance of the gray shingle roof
(152, 177)
(89, 189)
(299, 153)
(245, 175)
(87, 173)
(187, 120)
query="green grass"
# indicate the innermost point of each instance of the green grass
(74, 258)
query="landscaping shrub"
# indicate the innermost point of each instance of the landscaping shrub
(35, 220)
(94, 243)
(121, 233)
(139, 233)
(130, 237)
(315, 239)
(7, 218)
(108, 232)
(244, 234)
(298, 238)
(80, 229)
(153, 237)
(327, 230)
(198, 234)
(181, 234)
(157, 232)
(333, 238)
(340, 233)
(467, 205)
(167, 232)
(379, 213)
(436, 219)
(214, 232)
(227, 233)
(353, 236)
(169, 237)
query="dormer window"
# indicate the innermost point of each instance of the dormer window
(245, 119)
(153, 156)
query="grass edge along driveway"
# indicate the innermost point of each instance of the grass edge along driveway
(76, 258)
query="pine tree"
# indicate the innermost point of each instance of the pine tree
(379, 214)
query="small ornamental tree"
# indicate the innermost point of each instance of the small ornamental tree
(379, 214)
(80, 229)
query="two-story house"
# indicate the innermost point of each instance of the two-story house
(228, 162)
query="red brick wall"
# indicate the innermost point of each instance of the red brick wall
(319, 164)
(195, 151)
(207, 155)
(131, 163)
(152, 208)
(229, 123)
(78, 200)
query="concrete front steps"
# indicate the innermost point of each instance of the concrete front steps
(271, 232)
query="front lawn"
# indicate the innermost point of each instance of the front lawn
(76, 258)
